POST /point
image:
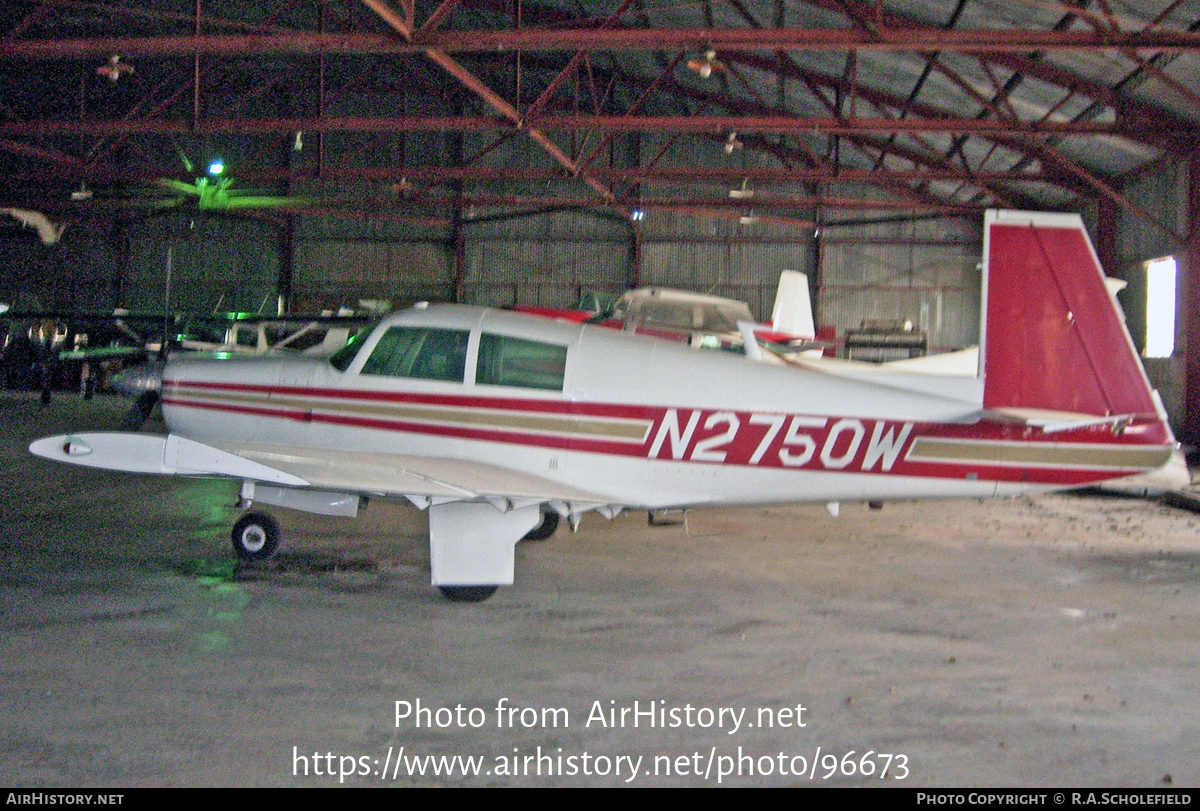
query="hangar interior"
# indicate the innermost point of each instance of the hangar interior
(297, 156)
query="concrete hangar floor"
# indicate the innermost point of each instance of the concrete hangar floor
(1045, 641)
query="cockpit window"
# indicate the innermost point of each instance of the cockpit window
(505, 361)
(427, 353)
(342, 359)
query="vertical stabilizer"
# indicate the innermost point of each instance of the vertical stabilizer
(792, 312)
(1055, 339)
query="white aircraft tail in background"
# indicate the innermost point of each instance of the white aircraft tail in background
(792, 313)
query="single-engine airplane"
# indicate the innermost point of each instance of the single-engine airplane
(499, 423)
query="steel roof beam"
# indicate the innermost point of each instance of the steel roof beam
(703, 124)
(773, 203)
(1033, 65)
(787, 67)
(53, 156)
(69, 167)
(1028, 62)
(438, 16)
(875, 28)
(493, 99)
(1144, 65)
(977, 41)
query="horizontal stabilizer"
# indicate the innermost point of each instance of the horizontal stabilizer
(1170, 478)
(1054, 421)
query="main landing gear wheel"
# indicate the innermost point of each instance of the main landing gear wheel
(467, 594)
(545, 529)
(255, 536)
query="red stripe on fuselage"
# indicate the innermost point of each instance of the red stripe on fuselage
(709, 436)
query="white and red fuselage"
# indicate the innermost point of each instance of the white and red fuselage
(649, 423)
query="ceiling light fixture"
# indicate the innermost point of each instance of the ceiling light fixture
(706, 65)
(114, 68)
(743, 193)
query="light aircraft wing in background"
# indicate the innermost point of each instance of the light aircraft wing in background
(705, 321)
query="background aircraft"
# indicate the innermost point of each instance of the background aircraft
(493, 421)
(704, 321)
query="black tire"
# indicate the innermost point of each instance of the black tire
(255, 536)
(467, 594)
(545, 529)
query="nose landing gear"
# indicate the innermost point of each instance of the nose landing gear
(255, 536)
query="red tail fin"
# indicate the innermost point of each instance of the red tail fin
(1054, 337)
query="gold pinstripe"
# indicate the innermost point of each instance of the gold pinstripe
(578, 425)
(1036, 454)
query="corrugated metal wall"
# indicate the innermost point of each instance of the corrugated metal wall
(77, 273)
(935, 284)
(546, 261)
(1138, 240)
(748, 271)
(331, 273)
(1163, 193)
(924, 270)
(215, 264)
(914, 270)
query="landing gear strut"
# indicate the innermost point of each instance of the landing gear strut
(545, 529)
(472, 546)
(255, 536)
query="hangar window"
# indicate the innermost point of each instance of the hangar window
(1160, 307)
(426, 353)
(505, 361)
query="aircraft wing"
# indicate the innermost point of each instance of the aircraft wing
(437, 479)
(400, 475)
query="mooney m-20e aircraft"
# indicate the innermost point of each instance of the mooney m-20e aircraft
(499, 423)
